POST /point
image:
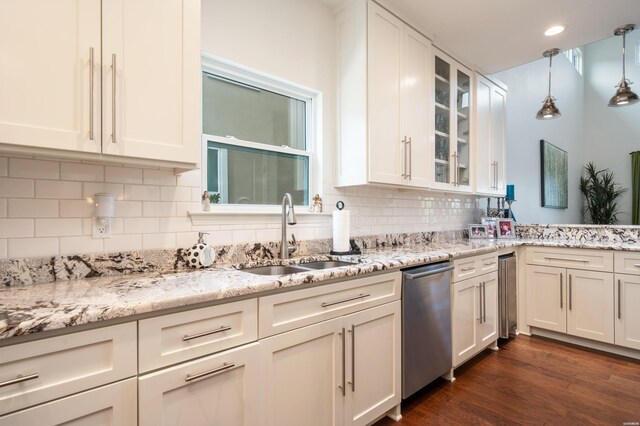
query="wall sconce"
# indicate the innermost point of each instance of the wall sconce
(103, 210)
(549, 109)
(624, 95)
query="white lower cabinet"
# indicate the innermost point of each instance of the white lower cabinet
(341, 371)
(627, 314)
(221, 389)
(474, 307)
(546, 298)
(111, 405)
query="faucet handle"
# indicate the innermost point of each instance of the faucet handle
(293, 247)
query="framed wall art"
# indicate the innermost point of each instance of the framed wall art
(554, 175)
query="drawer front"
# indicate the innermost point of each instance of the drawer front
(627, 263)
(287, 311)
(111, 405)
(591, 260)
(170, 339)
(36, 372)
(474, 266)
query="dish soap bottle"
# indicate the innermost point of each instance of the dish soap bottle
(200, 255)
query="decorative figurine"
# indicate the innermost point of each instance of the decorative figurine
(316, 205)
(206, 202)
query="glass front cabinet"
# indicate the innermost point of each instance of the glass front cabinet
(452, 154)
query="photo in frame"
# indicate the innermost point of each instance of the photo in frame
(505, 228)
(554, 174)
(477, 231)
(491, 225)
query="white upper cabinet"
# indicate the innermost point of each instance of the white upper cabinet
(452, 93)
(116, 78)
(490, 102)
(382, 99)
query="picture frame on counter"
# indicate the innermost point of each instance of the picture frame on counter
(491, 226)
(477, 231)
(505, 228)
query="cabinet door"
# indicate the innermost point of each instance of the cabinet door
(465, 310)
(217, 390)
(385, 49)
(414, 112)
(373, 363)
(444, 101)
(627, 319)
(302, 372)
(111, 405)
(590, 302)
(488, 326)
(153, 47)
(546, 297)
(463, 105)
(484, 167)
(46, 74)
(498, 142)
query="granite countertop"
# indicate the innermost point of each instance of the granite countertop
(30, 309)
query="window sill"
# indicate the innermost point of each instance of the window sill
(230, 217)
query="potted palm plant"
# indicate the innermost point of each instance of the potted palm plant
(601, 195)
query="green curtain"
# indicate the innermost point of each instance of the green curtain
(635, 187)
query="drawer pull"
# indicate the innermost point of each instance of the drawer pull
(19, 379)
(348, 299)
(220, 369)
(470, 268)
(490, 264)
(206, 333)
(566, 259)
(637, 265)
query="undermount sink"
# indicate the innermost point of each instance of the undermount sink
(326, 264)
(302, 267)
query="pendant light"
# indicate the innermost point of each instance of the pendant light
(549, 109)
(624, 95)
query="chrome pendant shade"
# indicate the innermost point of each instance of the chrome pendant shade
(624, 95)
(549, 109)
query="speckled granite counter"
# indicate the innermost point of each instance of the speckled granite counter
(33, 308)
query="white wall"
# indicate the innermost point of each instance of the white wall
(528, 86)
(43, 202)
(611, 133)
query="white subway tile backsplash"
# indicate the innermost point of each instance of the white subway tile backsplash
(190, 178)
(16, 188)
(183, 208)
(175, 193)
(3, 207)
(37, 169)
(3, 249)
(32, 247)
(175, 224)
(89, 189)
(217, 237)
(123, 243)
(85, 244)
(158, 209)
(142, 192)
(15, 228)
(158, 241)
(82, 172)
(76, 208)
(240, 236)
(140, 225)
(33, 207)
(187, 239)
(58, 227)
(117, 226)
(158, 177)
(4, 166)
(128, 208)
(122, 175)
(53, 189)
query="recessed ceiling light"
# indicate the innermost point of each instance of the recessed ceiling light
(554, 30)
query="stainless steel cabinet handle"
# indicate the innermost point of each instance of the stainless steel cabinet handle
(637, 265)
(496, 174)
(561, 304)
(353, 358)
(490, 264)
(206, 333)
(570, 295)
(19, 379)
(344, 361)
(404, 158)
(91, 83)
(220, 369)
(348, 299)
(484, 302)
(410, 153)
(565, 259)
(113, 98)
(619, 299)
(471, 268)
(480, 301)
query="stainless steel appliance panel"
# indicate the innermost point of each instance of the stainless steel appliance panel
(507, 295)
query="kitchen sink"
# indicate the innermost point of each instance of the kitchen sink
(274, 270)
(326, 264)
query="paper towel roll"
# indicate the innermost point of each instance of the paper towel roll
(341, 223)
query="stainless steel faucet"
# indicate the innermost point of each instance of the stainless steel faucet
(287, 217)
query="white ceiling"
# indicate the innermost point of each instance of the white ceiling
(494, 35)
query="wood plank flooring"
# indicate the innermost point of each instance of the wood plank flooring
(531, 381)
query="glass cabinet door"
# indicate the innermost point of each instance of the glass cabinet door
(442, 121)
(462, 157)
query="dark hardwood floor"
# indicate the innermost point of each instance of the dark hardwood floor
(531, 381)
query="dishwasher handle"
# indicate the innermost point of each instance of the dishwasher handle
(434, 271)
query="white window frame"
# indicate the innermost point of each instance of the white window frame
(575, 57)
(313, 99)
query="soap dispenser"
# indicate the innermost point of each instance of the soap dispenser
(200, 255)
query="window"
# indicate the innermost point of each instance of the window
(575, 57)
(258, 136)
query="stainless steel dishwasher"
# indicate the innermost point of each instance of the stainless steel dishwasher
(426, 325)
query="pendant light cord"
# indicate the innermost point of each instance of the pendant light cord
(550, 59)
(624, 40)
